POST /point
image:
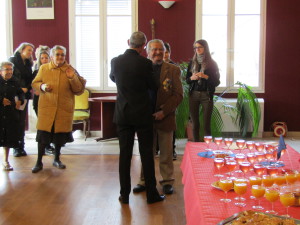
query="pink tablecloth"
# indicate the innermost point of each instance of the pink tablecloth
(202, 201)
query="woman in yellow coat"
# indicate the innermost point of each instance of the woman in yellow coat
(57, 83)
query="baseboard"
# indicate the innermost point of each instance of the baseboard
(290, 134)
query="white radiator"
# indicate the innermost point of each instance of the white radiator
(229, 126)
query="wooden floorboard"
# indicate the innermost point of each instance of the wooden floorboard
(86, 193)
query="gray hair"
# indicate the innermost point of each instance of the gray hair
(137, 39)
(6, 63)
(21, 47)
(155, 41)
(57, 47)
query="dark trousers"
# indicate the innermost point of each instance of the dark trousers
(23, 115)
(197, 98)
(126, 141)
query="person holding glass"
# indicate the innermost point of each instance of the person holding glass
(58, 83)
(203, 77)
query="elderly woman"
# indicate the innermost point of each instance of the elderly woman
(22, 60)
(11, 96)
(203, 77)
(57, 83)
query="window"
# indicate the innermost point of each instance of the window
(99, 30)
(6, 34)
(235, 31)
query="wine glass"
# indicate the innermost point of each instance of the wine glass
(291, 177)
(231, 166)
(228, 142)
(218, 141)
(254, 180)
(240, 189)
(219, 163)
(272, 170)
(259, 146)
(272, 195)
(240, 157)
(225, 185)
(259, 169)
(251, 157)
(250, 145)
(239, 181)
(207, 140)
(258, 192)
(245, 167)
(279, 179)
(268, 180)
(287, 198)
(240, 144)
(260, 156)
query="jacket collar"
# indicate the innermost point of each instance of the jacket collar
(164, 71)
(63, 67)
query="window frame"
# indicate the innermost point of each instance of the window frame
(8, 28)
(230, 33)
(103, 60)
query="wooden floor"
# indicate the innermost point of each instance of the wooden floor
(86, 193)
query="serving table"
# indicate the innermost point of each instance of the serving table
(202, 201)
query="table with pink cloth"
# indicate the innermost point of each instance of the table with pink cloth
(202, 201)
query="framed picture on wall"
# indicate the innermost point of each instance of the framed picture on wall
(40, 9)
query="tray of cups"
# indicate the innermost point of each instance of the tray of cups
(250, 217)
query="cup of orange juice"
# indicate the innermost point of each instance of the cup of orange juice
(268, 180)
(258, 191)
(279, 179)
(254, 180)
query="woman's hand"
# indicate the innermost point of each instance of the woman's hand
(18, 104)
(158, 115)
(48, 88)
(194, 77)
(202, 75)
(70, 71)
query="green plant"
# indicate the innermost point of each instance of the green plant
(245, 114)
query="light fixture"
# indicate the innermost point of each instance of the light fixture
(166, 4)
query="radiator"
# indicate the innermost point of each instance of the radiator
(229, 126)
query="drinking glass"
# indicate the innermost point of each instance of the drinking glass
(240, 144)
(240, 157)
(272, 170)
(245, 167)
(260, 156)
(240, 189)
(287, 198)
(230, 165)
(268, 180)
(240, 181)
(218, 141)
(207, 140)
(259, 169)
(291, 177)
(254, 180)
(225, 185)
(272, 195)
(279, 179)
(228, 142)
(219, 163)
(259, 146)
(258, 192)
(251, 157)
(250, 145)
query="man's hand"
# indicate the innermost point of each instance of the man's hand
(6, 102)
(158, 115)
(18, 104)
(25, 90)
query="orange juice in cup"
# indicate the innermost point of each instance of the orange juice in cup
(298, 176)
(291, 177)
(258, 191)
(271, 194)
(225, 185)
(279, 179)
(240, 189)
(268, 180)
(287, 199)
(254, 180)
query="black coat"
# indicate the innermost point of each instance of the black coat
(23, 72)
(10, 129)
(133, 75)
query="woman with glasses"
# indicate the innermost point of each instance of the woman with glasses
(203, 77)
(57, 83)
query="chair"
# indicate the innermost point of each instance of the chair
(82, 111)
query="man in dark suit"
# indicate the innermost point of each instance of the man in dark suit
(133, 75)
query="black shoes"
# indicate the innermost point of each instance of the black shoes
(174, 155)
(37, 168)
(139, 188)
(156, 198)
(59, 165)
(168, 189)
(19, 152)
(124, 199)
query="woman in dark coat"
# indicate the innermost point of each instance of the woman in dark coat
(23, 62)
(11, 97)
(203, 77)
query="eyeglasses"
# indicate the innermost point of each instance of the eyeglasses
(198, 47)
(8, 69)
(157, 49)
(62, 55)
